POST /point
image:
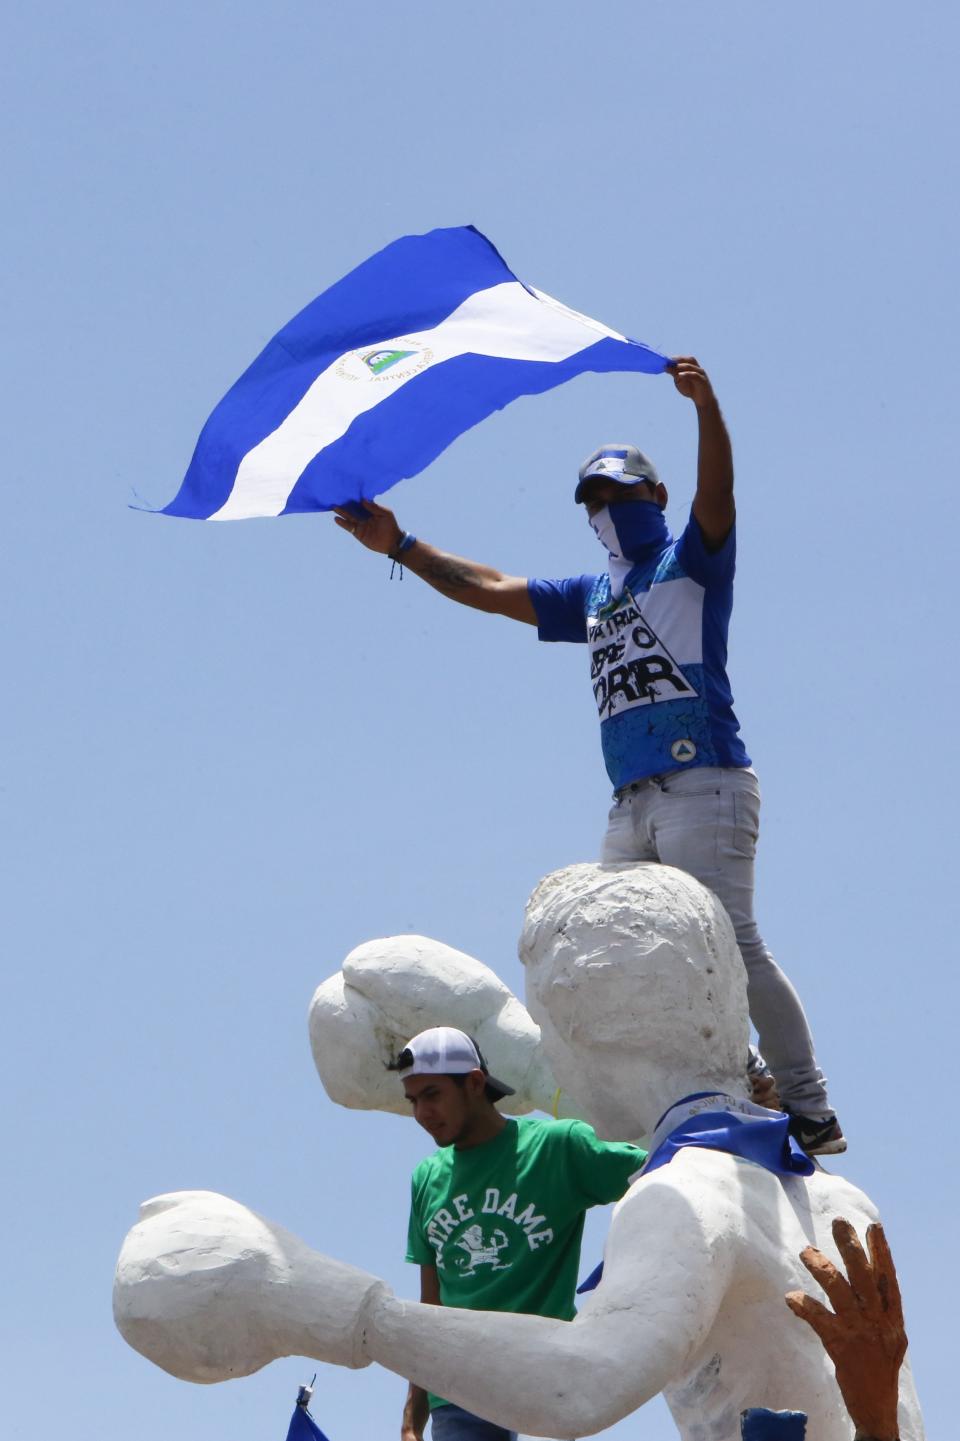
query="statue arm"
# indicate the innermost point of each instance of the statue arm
(387, 990)
(664, 1280)
(416, 1411)
(209, 1290)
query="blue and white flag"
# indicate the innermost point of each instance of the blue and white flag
(718, 1122)
(376, 377)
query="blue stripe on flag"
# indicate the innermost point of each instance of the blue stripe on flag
(410, 428)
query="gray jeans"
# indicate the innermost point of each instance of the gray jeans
(706, 821)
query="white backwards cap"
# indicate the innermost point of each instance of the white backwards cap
(445, 1051)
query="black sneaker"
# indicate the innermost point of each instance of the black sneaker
(818, 1137)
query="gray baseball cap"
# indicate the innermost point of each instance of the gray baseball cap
(445, 1051)
(623, 463)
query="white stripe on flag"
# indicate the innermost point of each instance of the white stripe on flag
(505, 321)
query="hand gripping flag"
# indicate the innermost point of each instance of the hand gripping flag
(376, 377)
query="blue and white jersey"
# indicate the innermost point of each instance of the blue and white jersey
(658, 656)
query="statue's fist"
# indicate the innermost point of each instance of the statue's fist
(209, 1290)
(391, 989)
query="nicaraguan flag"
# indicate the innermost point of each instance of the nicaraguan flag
(377, 376)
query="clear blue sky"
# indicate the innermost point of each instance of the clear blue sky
(230, 753)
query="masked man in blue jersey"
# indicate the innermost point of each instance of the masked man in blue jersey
(655, 626)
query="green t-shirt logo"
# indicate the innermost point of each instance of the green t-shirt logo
(464, 1243)
(475, 1248)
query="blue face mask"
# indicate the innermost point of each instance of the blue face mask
(640, 527)
(631, 531)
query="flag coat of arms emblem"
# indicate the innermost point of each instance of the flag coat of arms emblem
(379, 374)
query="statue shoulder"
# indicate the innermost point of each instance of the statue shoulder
(710, 1191)
(699, 1191)
(832, 1195)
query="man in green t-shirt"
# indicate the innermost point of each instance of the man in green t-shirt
(496, 1214)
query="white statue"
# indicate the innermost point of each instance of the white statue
(634, 977)
(388, 990)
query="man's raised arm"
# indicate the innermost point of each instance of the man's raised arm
(713, 504)
(479, 586)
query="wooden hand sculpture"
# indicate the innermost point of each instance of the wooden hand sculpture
(864, 1334)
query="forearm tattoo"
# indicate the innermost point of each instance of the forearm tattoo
(448, 573)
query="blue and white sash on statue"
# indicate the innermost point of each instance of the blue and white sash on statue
(725, 1123)
(718, 1122)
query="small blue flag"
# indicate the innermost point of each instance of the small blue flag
(376, 377)
(303, 1427)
